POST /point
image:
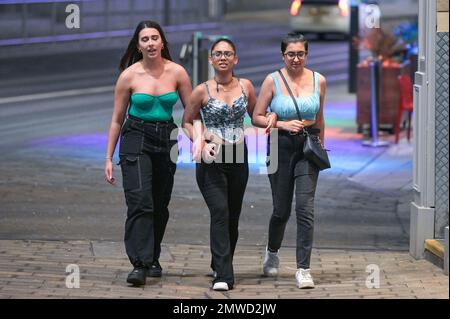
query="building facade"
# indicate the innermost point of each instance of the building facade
(429, 210)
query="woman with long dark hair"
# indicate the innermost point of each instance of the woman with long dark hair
(221, 152)
(294, 170)
(149, 86)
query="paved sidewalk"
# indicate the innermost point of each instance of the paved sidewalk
(37, 269)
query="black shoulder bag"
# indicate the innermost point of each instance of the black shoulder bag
(312, 149)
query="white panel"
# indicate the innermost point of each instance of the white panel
(421, 228)
(430, 165)
(417, 132)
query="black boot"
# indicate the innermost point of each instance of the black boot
(155, 270)
(137, 276)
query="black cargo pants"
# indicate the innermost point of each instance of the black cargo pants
(148, 174)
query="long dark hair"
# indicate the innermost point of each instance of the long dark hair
(132, 55)
(293, 37)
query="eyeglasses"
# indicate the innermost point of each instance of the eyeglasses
(218, 54)
(299, 54)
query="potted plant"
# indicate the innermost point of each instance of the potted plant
(389, 50)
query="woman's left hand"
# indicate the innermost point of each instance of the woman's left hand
(197, 147)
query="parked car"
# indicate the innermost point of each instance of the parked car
(320, 16)
(333, 16)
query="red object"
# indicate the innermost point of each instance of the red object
(405, 104)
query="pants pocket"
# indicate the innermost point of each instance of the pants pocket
(131, 142)
(130, 172)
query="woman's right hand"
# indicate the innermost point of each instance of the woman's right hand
(109, 172)
(293, 126)
(210, 151)
(271, 121)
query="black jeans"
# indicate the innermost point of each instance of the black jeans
(293, 170)
(222, 186)
(148, 174)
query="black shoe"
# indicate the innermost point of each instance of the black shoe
(137, 276)
(155, 270)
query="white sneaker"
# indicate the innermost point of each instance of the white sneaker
(304, 279)
(220, 286)
(271, 263)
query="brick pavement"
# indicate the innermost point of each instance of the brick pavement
(37, 269)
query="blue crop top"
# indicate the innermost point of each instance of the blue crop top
(284, 107)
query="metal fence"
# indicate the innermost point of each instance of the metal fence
(38, 21)
(442, 131)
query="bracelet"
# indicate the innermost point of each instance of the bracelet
(110, 158)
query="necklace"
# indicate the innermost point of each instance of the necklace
(223, 85)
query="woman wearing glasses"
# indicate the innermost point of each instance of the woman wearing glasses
(221, 153)
(294, 171)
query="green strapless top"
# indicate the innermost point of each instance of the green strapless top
(152, 107)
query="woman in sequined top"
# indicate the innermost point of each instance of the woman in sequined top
(214, 120)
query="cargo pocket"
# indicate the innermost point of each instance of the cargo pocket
(131, 172)
(131, 142)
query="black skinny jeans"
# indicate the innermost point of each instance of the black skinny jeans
(222, 186)
(148, 175)
(293, 170)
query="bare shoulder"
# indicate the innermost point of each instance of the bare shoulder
(176, 68)
(268, 83)
(199, 91)
(247, 84)
(127, 76)
(210, 83)
(322, 79)
(269, 79)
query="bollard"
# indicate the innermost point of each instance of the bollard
(353, 51)
(375, 85)
(204, 66)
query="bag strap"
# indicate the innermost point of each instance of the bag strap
(290, 93)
